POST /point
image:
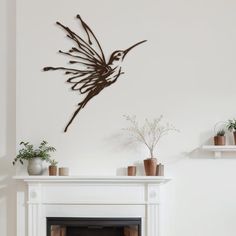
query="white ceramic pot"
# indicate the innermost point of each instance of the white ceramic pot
(35, 166)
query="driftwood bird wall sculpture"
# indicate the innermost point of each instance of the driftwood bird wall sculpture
(91, 73)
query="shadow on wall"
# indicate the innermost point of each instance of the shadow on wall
(198, 153)
(7, 185)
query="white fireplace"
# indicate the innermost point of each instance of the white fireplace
(42, 197)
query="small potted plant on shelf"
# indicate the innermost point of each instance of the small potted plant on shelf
(231, 126)
(35, 157)
(149, 134)
(53, 167)
(219, 138)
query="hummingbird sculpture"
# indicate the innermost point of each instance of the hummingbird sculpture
(92, 73)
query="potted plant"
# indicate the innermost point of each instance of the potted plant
(35, 157)
(149, 134)
(231, 126)
(53, 167)
(219, 138)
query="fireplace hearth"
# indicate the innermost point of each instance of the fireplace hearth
(59, 226)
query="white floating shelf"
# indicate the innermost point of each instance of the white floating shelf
(219, 149)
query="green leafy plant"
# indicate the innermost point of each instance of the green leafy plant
(53, 162)
(231, 125)
(149, 133)
(220, 132)
(28, 152)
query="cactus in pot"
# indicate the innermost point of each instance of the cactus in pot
(53, 167)
(219, 138)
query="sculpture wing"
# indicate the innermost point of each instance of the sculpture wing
(88, 55)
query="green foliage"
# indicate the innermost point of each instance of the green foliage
(53, 162)
(220, 132)
(231, 126)
(28, 152)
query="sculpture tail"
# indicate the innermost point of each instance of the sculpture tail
(81, 105)
(73, 117)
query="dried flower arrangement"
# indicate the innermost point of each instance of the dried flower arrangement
(149, 133)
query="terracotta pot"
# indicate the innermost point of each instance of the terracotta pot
(131, 170)
(219, 140)
(52, 170)
(235, 137)
(150, 166)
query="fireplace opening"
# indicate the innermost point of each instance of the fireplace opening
(61, 226)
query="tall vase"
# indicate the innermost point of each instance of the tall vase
(235, 137)
(150, 166)
(35, 166)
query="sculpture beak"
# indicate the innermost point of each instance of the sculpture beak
(128, 49)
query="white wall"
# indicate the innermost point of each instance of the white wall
(186, 71)
(7, 117)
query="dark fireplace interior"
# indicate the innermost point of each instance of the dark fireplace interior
(93, 226)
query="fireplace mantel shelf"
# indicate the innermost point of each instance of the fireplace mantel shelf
(94, 179)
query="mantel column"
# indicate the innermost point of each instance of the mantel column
(34, 209)
(152, 214)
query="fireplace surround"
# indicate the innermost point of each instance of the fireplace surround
(42, 199)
